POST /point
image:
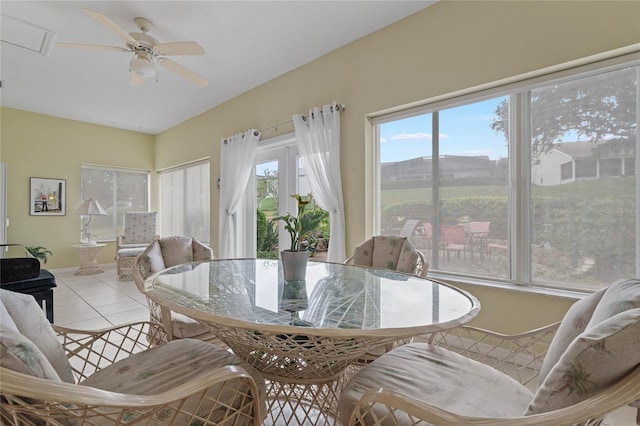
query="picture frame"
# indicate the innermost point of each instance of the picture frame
(47, 197)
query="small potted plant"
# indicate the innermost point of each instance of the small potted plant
(39, 252)
(294, 260)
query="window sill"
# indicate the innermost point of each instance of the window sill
(504, 285)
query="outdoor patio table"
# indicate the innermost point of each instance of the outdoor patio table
(304, 335)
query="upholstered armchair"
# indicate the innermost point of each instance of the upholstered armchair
(58, 376)
(470, 376)
(164, 253)
(139, 230)
(390, 252)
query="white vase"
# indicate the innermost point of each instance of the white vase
(294, 264)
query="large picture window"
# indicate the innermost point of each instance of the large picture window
(184, 201)
(536, 184)
(117, 190)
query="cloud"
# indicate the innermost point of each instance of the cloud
(410, 136)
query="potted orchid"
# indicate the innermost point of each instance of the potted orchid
(294, 260)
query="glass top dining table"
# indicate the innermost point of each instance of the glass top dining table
(308, 332)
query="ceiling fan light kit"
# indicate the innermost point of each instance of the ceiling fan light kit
(143, 65)
(147, 51)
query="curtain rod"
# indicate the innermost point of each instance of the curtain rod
(341, 107)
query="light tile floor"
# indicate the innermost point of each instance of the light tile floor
(99, 301)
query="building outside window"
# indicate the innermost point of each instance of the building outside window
(118, 190)
(530, 183)
(184, 201)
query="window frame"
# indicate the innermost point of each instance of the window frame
(284, 149)
(518, 89)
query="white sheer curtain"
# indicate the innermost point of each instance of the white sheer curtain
(237, 156)
(318, 139)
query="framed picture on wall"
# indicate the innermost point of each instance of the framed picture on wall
(47, 197)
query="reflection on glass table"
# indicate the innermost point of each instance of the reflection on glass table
(303, 335)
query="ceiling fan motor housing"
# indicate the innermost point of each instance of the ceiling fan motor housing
(146, 43)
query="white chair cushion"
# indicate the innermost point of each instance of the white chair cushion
(31, 322)
(20, 354)
(151, 258)
(139, 227)
(130, 252)
(170, 365)
(441, 378)
(620, 296)
(595, 360)
(573, 323)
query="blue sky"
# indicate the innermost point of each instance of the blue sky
(464, 130)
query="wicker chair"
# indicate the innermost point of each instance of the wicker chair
(139, 231)
(392, 252)
(58, 376)
(164, 253)
(586, 366)
(389, 252)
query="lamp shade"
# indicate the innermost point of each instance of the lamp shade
(90, 207)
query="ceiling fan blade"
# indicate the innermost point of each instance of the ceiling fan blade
(135, 79)
(92, 47)
(180, 48)
(112, 26)
(183, 72)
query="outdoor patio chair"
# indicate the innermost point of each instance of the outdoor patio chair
(453, 239)
(139, 230)
(164, 253)
(58, 376)
(471, 376)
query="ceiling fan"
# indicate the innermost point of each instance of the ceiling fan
(147, 52)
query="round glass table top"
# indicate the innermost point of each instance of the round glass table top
(251, 293)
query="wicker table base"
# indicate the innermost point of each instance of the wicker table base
(292, 404)
(305, 373)
(88, 258)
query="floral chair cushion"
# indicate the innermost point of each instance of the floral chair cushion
(170, 365)
(606, 349)
(441, 378)
(620, 296)
(596, 359)
(20, 354)
(387, 252)
(139, 227)
(574, 322)
(31, 322)
(176, 250)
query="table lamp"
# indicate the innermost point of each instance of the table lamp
(89, 208)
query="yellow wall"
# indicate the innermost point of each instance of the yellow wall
(450, 46)
(36, 145)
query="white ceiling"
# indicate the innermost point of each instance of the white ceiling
(246, 43)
